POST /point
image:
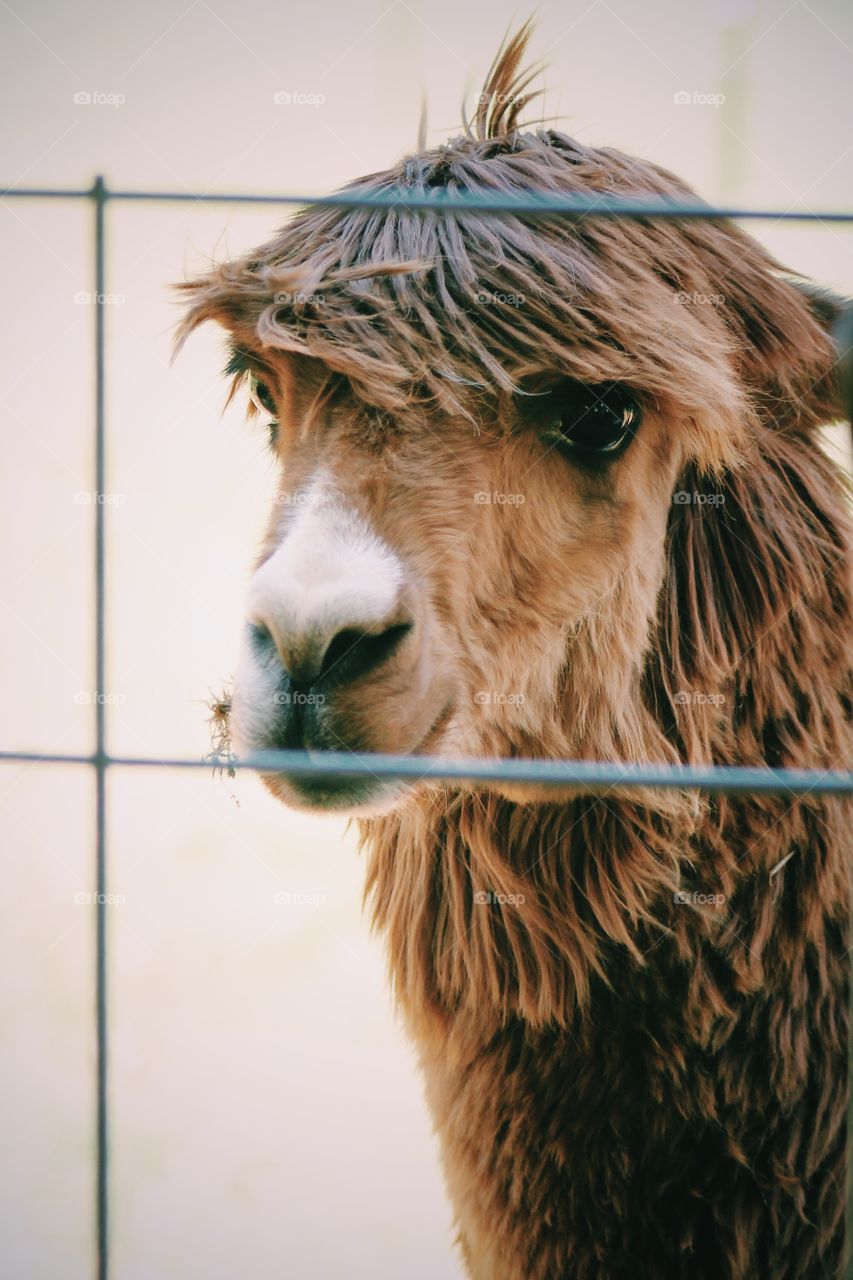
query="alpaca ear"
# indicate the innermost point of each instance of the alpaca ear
(826, 306)
(831, 394)
(842, 329)
(767, 556)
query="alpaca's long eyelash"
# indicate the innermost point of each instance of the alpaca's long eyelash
(243, 366)
(240, 370)
(238, 363)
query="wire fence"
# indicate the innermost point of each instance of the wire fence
(557, 773)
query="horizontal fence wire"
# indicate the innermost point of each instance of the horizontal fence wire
(530, 204)
(589, 775)
(734, 779)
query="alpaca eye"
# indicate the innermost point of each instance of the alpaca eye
(594, 420)
(262, 396)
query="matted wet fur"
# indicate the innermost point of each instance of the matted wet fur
(631, 1010)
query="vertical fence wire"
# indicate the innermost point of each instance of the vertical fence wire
(100, 198)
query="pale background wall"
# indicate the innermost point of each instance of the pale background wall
(267, 1116)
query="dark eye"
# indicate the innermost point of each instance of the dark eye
(592, 420)
(262, 396)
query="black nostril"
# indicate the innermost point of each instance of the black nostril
(261, 640)
(354, 653)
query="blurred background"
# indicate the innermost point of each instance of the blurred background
(266, 1113)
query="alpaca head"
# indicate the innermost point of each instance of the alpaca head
(490, 430)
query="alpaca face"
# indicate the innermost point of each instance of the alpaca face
(483, 424)
(426, 582)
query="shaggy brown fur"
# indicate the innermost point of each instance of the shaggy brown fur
(630, 1009)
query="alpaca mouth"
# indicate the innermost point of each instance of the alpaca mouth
(361, 797)
(367, 795)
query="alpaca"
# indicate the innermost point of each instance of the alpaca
(554, 488)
